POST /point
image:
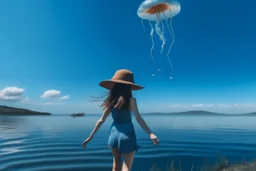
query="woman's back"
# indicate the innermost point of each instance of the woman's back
(121, 115)
(122, 135)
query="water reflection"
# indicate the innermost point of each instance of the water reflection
(12, 127)
(54, 140)
(202, 122)
(7, 122)
(5, 151)
(18, 126)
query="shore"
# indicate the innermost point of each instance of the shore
(242, 167)
(222, 166)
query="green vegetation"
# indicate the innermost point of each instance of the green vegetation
(221, 165)
(6, 110)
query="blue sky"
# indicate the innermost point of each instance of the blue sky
(70, 46)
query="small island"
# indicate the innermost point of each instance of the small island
(77, 115)
(6, 110)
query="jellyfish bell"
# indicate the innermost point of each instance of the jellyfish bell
(155, 10)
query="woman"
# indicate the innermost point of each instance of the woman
(119, 102)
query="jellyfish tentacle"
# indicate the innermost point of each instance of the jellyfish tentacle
(142, 23)
(162, 25)
(172, 33)
(153, 44)
(159, 33)
(164, 40)
(158, 29)
(152, 39)
(170, 29)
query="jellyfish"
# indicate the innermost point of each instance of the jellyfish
(158, 11)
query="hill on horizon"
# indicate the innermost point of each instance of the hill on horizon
(7, 110)
(199, 112)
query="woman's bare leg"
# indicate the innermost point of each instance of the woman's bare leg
(128, 160)
(117, 162)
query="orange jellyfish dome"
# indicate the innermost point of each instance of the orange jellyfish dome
(155, 10)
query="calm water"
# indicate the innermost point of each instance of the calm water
(51, 143)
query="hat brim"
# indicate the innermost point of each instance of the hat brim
(108, 84)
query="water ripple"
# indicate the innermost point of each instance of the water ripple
(52, 149)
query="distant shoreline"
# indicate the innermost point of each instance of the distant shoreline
(188, 113)
(6, 110)
(197, 113)
(12, 111)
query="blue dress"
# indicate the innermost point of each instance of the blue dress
(122, 135)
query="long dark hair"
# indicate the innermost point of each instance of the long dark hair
(118, 97)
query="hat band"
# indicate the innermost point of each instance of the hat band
(130, 81)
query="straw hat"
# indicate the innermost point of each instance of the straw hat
(122, 76)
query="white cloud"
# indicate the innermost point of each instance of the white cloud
(64, 97)
(10, 98)
(246, 105)
(226, 105)
(12, 91)
(12, 94)
(50, 103)
(51, 94)
(209, 105)
(197, 105)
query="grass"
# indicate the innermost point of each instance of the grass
(221, 165)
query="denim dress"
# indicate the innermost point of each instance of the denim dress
(122, 135)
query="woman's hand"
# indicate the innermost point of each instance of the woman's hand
(84, 144)
(154, 139)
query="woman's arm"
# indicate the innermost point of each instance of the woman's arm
(104, 116)
(138, 117)
(141, 121)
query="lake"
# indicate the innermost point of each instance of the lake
(51, 143)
